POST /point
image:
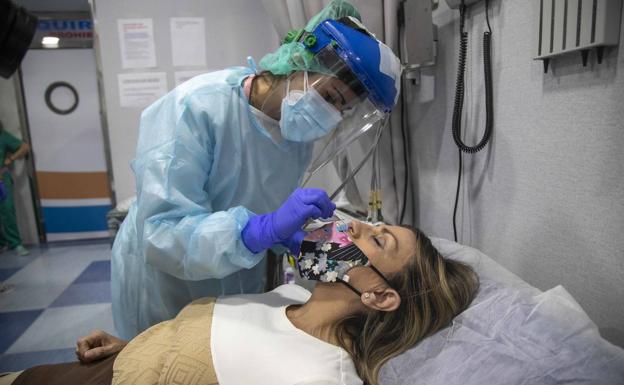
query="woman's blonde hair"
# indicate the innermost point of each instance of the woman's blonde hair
(433, 291)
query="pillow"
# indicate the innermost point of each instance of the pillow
(512, 333)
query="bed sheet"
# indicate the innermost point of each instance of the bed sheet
(512, 333)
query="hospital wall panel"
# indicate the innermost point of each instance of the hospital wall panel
(72, 185)
(68, 148)
(76, 219)
(234, 30)
(546, 198)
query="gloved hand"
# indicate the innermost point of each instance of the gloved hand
(284, 225)
(293, 243)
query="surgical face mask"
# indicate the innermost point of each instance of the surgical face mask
(305, 115)
(327, 255)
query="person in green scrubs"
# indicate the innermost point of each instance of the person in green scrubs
(11, 149)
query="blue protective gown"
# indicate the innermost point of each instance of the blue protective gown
(204, 166)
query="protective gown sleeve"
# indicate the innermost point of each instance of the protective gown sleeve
(178, 230)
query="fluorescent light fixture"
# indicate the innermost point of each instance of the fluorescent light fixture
(50, 41)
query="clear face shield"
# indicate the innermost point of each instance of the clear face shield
(308, 100)
(359, 114)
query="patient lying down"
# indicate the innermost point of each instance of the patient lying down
(340, 334)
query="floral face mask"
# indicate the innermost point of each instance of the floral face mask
(327, 254)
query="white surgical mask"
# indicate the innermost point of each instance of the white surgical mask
(306, 116)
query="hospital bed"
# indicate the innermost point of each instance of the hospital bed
(511, 334)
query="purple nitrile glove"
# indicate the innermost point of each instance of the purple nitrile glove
(294, 242)
(284, 225)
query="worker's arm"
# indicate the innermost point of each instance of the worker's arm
(21, 152)
(179, 231)
(16, 148)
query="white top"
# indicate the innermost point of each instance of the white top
(253, 342)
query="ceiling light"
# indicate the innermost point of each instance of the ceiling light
(50, 41)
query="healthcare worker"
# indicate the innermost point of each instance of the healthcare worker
(11, 149)
(220, 157)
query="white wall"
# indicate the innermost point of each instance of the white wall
(546, 199)
(234, 30)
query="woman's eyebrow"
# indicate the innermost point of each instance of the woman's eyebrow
(396, 240)
(344, 101)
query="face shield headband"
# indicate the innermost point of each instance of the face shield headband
(327, 254)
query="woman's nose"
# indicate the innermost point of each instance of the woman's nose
(354, 229)
(359, 229)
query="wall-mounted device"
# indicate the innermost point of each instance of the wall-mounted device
(417, 46)
(455, 4)
(417, 36)
(577, 26)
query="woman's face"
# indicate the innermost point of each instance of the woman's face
(334, 91)
(388, 248)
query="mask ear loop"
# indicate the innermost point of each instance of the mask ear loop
(356, 291)
(287, 86)
(305, 82)
(382, 316)
(379, 273)
(273, 89)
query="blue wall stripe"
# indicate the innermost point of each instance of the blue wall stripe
(75, 219)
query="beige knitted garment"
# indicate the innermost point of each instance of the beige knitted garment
(175, 352)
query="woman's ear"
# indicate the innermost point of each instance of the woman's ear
(383, 300)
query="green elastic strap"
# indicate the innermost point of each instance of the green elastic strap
(293, 35)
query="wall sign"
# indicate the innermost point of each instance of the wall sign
(71, 32)
(136, 42)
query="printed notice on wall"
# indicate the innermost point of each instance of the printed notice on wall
(141, 89)
(182, 76)
(188, 41)
(136, 40)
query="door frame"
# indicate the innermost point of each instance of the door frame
(23, 112)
